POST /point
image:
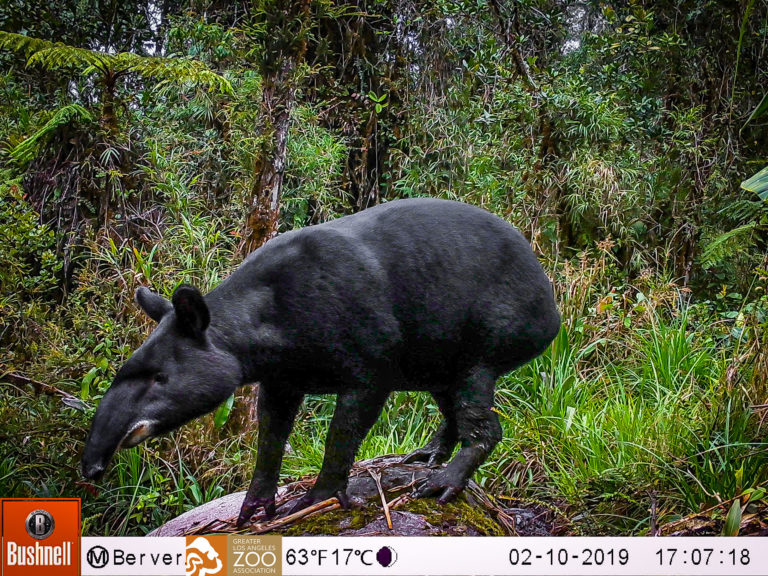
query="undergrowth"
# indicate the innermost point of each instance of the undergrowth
(643, 401)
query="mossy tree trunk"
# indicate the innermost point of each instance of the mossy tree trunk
(286, 45)
(362, 46)
(542, 137)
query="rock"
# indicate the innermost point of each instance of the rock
(222, 508)
(474, 513)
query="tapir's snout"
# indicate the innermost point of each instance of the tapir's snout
(108, 428)
(95, 459)
(100, 449)
(93, 471)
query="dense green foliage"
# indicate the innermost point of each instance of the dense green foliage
(155, 143)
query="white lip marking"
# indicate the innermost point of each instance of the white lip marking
(139, 432)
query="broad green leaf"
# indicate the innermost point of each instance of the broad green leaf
(223, 411)
(758, 184)
(739, 479)
(733, 521)
(757, 494)
(88, 378)
(752, 495)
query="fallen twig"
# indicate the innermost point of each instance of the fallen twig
(377, 478)
(399, 501)
(324, 506)
(507, 521)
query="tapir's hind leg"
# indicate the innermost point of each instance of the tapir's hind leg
(356, 411)
(478, 430)
(441, 445)
(276, 412)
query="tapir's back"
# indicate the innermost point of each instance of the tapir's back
(461, 280)
(435, 280)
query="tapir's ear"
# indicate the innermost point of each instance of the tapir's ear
(152, 303)
(192, 313)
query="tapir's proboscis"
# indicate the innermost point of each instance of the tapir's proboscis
(419, 294)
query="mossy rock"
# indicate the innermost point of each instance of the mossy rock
(423, 517)
(473, 513)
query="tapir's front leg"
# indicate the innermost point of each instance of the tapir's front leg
(356, 411)
(276, 412)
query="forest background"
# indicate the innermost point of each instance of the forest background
(158, 142)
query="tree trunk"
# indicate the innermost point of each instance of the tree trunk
(286, 22)
(362, 64)
(542, 137)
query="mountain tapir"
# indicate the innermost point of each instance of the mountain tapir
(418, 294)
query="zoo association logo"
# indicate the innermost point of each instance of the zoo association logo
(206, 556)
(40, 537)
(234, 555)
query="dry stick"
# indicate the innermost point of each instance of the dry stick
(377, 478)
(325, 506)
(654, 522)
(222, 525)
(212, 526)
(492, 507)
(402, 499)
(20, 380)
(722, 504)
(758, 407)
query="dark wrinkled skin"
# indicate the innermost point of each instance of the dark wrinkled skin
(418, 294)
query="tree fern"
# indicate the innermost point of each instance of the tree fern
(24, 152)
(725, 245)
(57, 56)
(175, 71)
(22, 44)
(60, 56)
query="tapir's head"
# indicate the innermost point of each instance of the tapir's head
(179, 373)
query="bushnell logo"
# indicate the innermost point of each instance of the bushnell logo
(41, 537)
(40, 524)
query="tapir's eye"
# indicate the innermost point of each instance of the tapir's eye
(161, 378)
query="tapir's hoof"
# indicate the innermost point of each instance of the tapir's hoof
(432, 456)
(441, 484)
(251, 505)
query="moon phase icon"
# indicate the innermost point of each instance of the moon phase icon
(386, 556)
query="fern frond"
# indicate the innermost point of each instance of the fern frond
(24, 152)
(56, 56)
(22, 44)
(176, 71)
(63, 56)
(727, 244)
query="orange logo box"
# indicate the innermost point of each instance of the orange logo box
(206, 556)
(40, 537)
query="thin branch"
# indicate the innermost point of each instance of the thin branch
(511, 42)
(377, 478)
(324, 506)
(20, 381)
